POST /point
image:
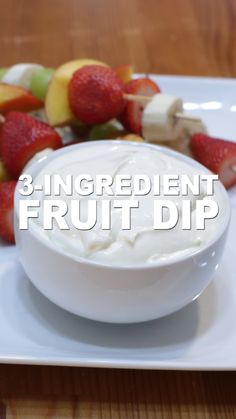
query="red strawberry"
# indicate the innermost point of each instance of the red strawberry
(21, 137)
(7, 190)
(217, 155)
(131, 117)
(96, 94)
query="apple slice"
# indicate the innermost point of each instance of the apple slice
(57, 104)
(15, 98)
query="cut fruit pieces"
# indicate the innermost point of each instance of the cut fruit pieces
(21, 74)
(22, 136)
(15, 98)
(40, 81)
(57, 104)
(217, 155)
(131, 117)
(159, 121)
(124, 72)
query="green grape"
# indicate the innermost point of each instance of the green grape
(40, 81)
(3, 72)
(104, 131)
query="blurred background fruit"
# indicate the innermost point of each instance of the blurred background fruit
(3, 72)
(125, 72)
(40, 81)
(15, 98)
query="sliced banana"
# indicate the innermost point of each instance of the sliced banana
(193, 127)
(159, 122)
(21, 74)
(182, 144)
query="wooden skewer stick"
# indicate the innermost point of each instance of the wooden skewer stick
(143, 100)
(187, 117)
(233, 168)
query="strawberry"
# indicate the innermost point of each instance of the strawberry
(217, 155)
(131, 117)
(22, 136)
(7, 190)
(96, 94)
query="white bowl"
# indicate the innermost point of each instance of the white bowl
(119, 294)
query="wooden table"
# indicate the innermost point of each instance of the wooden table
(164, 36)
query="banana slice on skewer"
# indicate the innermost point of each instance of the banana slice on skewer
(193, 127)
(21, 74)
(164, 121)
(159, 121)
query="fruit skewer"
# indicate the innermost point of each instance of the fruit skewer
(144, 100)
(157, 120)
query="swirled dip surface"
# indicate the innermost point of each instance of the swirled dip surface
(142, 244)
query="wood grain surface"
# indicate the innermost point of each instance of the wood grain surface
(161, 36)
(37, 392)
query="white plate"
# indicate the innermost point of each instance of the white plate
(200, 336)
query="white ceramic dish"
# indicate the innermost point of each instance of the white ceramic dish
(200, 336)
(126, 294)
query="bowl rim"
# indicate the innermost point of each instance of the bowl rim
(35, 168)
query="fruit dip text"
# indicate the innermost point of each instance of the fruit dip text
(141, 244)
